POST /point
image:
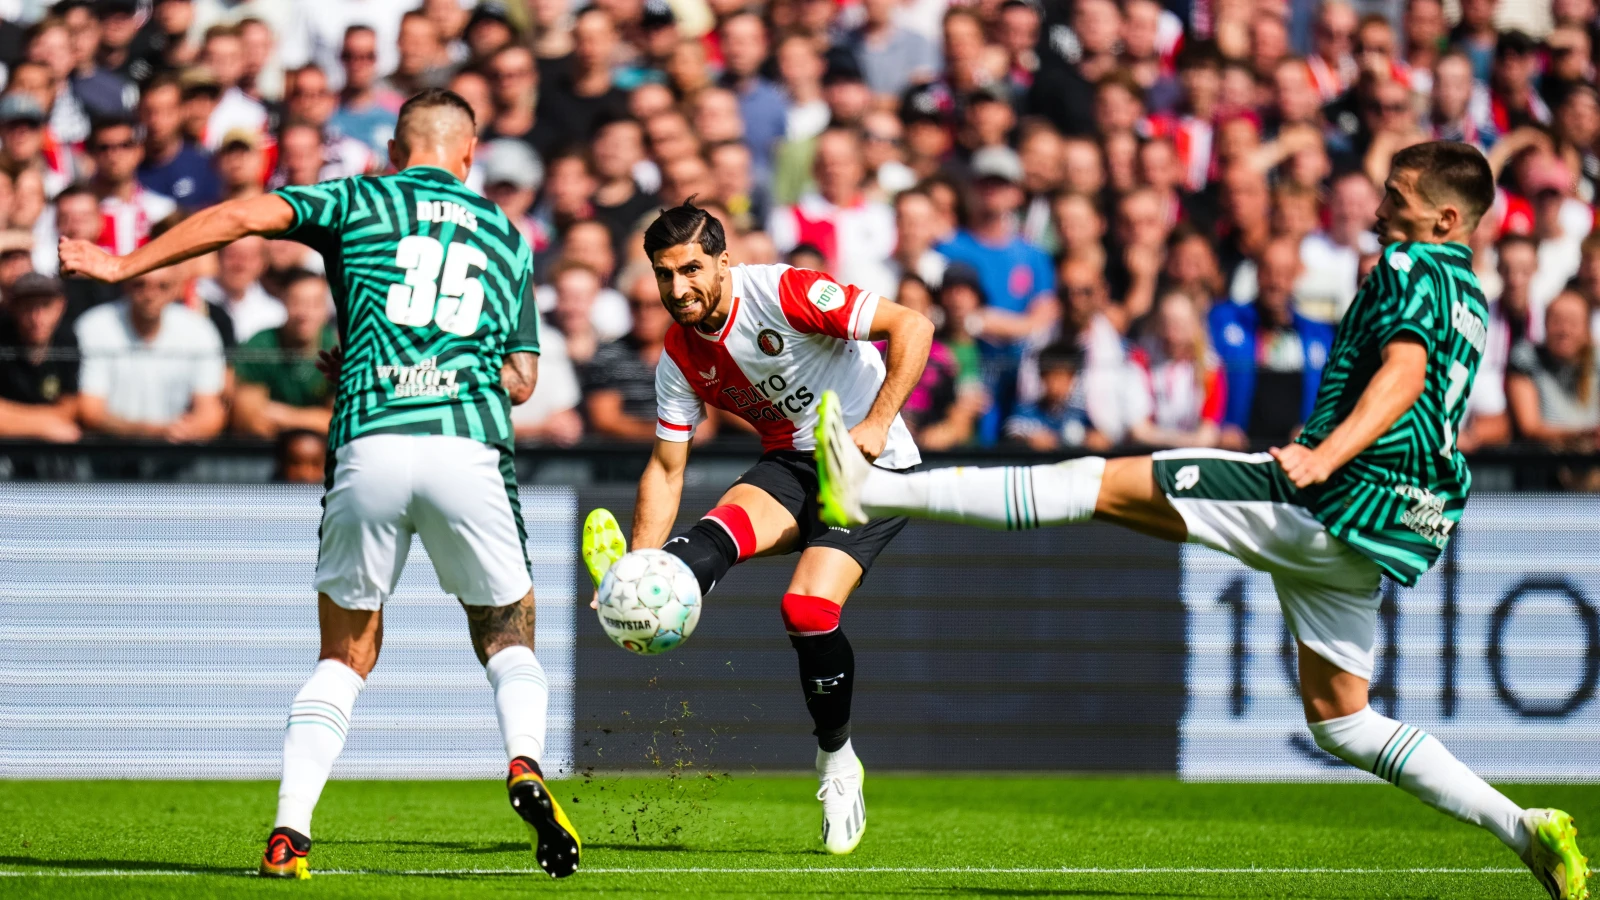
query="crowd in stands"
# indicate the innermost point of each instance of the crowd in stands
(1132, 221)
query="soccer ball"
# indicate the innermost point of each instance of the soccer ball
(649, 602)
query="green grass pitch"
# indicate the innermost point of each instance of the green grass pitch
(756, 837)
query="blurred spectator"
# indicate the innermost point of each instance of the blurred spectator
(1487, 422)
(489, 29)
(589, 243)
(618, 201)
(119, 23)
(1553, 388)
(855, 234)
(240, 165)
(1273, 356)
(222, 54)
(762, 104)
(1183, 378)
(1449, 106)
(173, 166)
(366, 110)
(301, 457)
(262, 78)
(1017, 277)
(473, 86)
(512, 176)
(1059, 418)
(619, 383)
(1560, 223)
(915, 227)
(800, 70)
(551, 415)
(1510, 102)
(308, 100)
(1331, 257)
(1080, 230)
(732, 170)
(164, 43)
(237, 290)
(130, 210)
(943, 409)
(892, 58)
(1063, 90)
(1111, 394)
(587, 93)
(278, 386)
(514, 88)
(424, 57)
(38, 363)
(317, 27)
(1332, 64)
(151, 368)
(22, 136)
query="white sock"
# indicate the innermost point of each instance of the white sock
(521, 698)
(1009, 497)
(1418, 764)
(842, 759)
(319, 718)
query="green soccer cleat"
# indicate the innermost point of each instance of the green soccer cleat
(1553, 854)
(841, 468)
(603, 543)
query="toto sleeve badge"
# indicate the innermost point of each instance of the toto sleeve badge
(826, 296)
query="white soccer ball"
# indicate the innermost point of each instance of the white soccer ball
(649, 602)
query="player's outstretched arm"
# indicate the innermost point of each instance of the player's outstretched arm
(1393, 389)
(200, 233)
(910, 336)
(660, 490)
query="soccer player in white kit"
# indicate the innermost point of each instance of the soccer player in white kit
(764, 343)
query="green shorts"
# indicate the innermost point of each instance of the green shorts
(1244, 505)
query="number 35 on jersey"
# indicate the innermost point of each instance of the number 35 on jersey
(441, 285)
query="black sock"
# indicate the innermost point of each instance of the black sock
(708, 550)
(827, 676)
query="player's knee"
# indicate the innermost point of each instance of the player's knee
(804, 615)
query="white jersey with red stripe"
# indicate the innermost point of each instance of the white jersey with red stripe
(791, 334)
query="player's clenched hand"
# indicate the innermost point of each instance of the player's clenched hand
(84, 259)
(870, 438)
(329, 362)
(1302, 464)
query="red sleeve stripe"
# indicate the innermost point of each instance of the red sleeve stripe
(673, 426)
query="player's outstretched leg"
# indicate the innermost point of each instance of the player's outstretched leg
(603, 543)
(503, 636)
(827, 678)
(722, 538)
(319, 719)
(853, 491)
(1416, 762)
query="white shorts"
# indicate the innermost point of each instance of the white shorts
(457, 494)
(1241, 504)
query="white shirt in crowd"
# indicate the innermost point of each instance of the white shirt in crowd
(155, 381)
(610, 316)
(1330, 276)
(1559, 257)
(251, 314)
(316, 33)
(857, 240)
(234, 109)
(557, 389)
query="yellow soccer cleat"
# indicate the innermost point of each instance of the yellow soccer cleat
(555, 842)
(1553, 854)
(841, 469)
(603, 543)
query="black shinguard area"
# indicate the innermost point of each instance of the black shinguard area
(709, 551)
(827, 676)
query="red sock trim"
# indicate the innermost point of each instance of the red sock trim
(736, 522)
(805, 616)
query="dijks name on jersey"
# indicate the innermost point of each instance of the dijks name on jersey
(748, 401)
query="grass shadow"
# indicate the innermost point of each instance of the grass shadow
(132, 865)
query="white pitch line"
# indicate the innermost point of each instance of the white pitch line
(798, 870)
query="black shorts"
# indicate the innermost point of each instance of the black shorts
(790, 477)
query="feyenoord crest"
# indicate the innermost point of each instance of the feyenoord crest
(770, 342)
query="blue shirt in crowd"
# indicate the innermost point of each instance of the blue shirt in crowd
(187, 178)
(1012, 274)
(373, 126)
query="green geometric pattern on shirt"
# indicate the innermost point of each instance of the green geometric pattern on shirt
(1398, 500)
(418, 378)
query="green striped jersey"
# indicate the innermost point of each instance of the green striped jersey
(433, 287)
(1398, 500)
